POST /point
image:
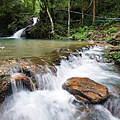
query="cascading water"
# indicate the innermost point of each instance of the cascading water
(54, 103)
(35, 20)
(19, 32)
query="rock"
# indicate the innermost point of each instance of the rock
(116, 36)
(86, 89)
(112, 103)
(4, 85)
(23, 70)
(18, 77)
(70, 38)
(28, 29)
(6, 80)
(114, 49)
(116, 39)
(90, 42)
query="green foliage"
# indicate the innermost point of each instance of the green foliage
(111, 30)
(59, 37)
(81, 33)
(41, 30)
(13, 13)
(114, 55)
(80, 36)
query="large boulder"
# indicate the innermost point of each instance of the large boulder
(86, 89)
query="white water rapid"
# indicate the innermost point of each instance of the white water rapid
(19, 32)
(57, 104)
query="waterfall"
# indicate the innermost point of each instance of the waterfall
(58, 104)
(19, 32)
(35, 20)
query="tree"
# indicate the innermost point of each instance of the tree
(89, 6)
(48, 12)
(82, 12)
(68, 17)
(93, 11)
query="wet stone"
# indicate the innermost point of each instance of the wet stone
(86, 89)
(28, 68)
(112, 103)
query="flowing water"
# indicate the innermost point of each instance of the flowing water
(35, 20)
(56, 103)
(19, 32)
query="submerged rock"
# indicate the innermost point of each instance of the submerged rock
(86, 89)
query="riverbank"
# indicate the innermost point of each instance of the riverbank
(105, 33)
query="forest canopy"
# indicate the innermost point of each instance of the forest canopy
(17, 12)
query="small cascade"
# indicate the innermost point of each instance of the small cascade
(46, 82)
(18, 33)
(51, 102)
(19, 82)
(13, 85)
(35, 20)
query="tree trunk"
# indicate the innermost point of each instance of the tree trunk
(89, 6)
(94, 12)
(68, 18)
(52, 10)
(82, 12)
(51, 20)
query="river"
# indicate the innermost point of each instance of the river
(56, 103)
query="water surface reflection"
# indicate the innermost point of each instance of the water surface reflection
(18, 48)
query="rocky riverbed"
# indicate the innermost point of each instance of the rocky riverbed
(26, 70)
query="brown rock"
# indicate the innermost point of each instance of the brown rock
(115, 49)
(22, 78)
(116, 36)
(86, 89)
(5, 83)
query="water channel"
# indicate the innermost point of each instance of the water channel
(58, 104)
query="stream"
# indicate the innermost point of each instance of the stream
(55, 103)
